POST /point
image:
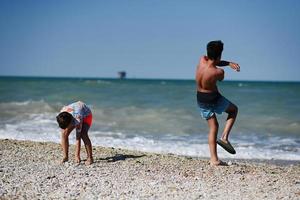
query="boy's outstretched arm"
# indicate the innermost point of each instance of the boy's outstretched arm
(233, 65)
(223, 63)
(65, 143)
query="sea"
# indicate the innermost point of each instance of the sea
(158, 116)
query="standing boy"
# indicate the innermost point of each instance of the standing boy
(76, 115)
(211, 101)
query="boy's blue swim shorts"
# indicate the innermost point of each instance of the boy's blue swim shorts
(208, 109)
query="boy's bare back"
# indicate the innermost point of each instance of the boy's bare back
(207, 75)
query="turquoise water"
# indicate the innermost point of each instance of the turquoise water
(156, 115)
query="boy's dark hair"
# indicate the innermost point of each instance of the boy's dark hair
(214, 49)
(64, 119)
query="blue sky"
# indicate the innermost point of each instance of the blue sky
(148, 39)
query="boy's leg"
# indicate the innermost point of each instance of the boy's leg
(87, 143)
(232, 111)
(212, 137)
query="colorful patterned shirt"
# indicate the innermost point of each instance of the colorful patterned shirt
(79, 111)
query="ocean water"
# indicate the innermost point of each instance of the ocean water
(156, 115)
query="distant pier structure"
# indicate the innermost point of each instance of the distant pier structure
(122, 74)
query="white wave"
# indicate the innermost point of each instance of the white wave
(35, 127)
(19, 103)
(28, 106)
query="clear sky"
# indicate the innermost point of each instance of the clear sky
(148, 38)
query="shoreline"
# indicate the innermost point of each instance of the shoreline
(31, 170)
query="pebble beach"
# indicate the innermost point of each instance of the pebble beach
(32, 170)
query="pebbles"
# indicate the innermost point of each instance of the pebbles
(31, 170)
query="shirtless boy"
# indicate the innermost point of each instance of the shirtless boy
(210, 100)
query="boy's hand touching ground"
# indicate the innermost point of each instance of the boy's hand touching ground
(234, 66)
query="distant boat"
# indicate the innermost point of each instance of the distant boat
(122, 74)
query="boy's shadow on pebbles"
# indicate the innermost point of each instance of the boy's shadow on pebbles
(117, 157)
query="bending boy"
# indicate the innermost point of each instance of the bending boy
(76, 115)
(211, 101)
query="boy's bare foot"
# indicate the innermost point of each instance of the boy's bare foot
(77, 160)
(218, 163)
(89, 161)
(64, 160)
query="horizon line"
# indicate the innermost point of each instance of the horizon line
(141, 78)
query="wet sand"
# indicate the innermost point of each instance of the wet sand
(32, 170)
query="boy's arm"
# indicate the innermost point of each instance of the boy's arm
(65, 142)
(223, 63)
(233, 65)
